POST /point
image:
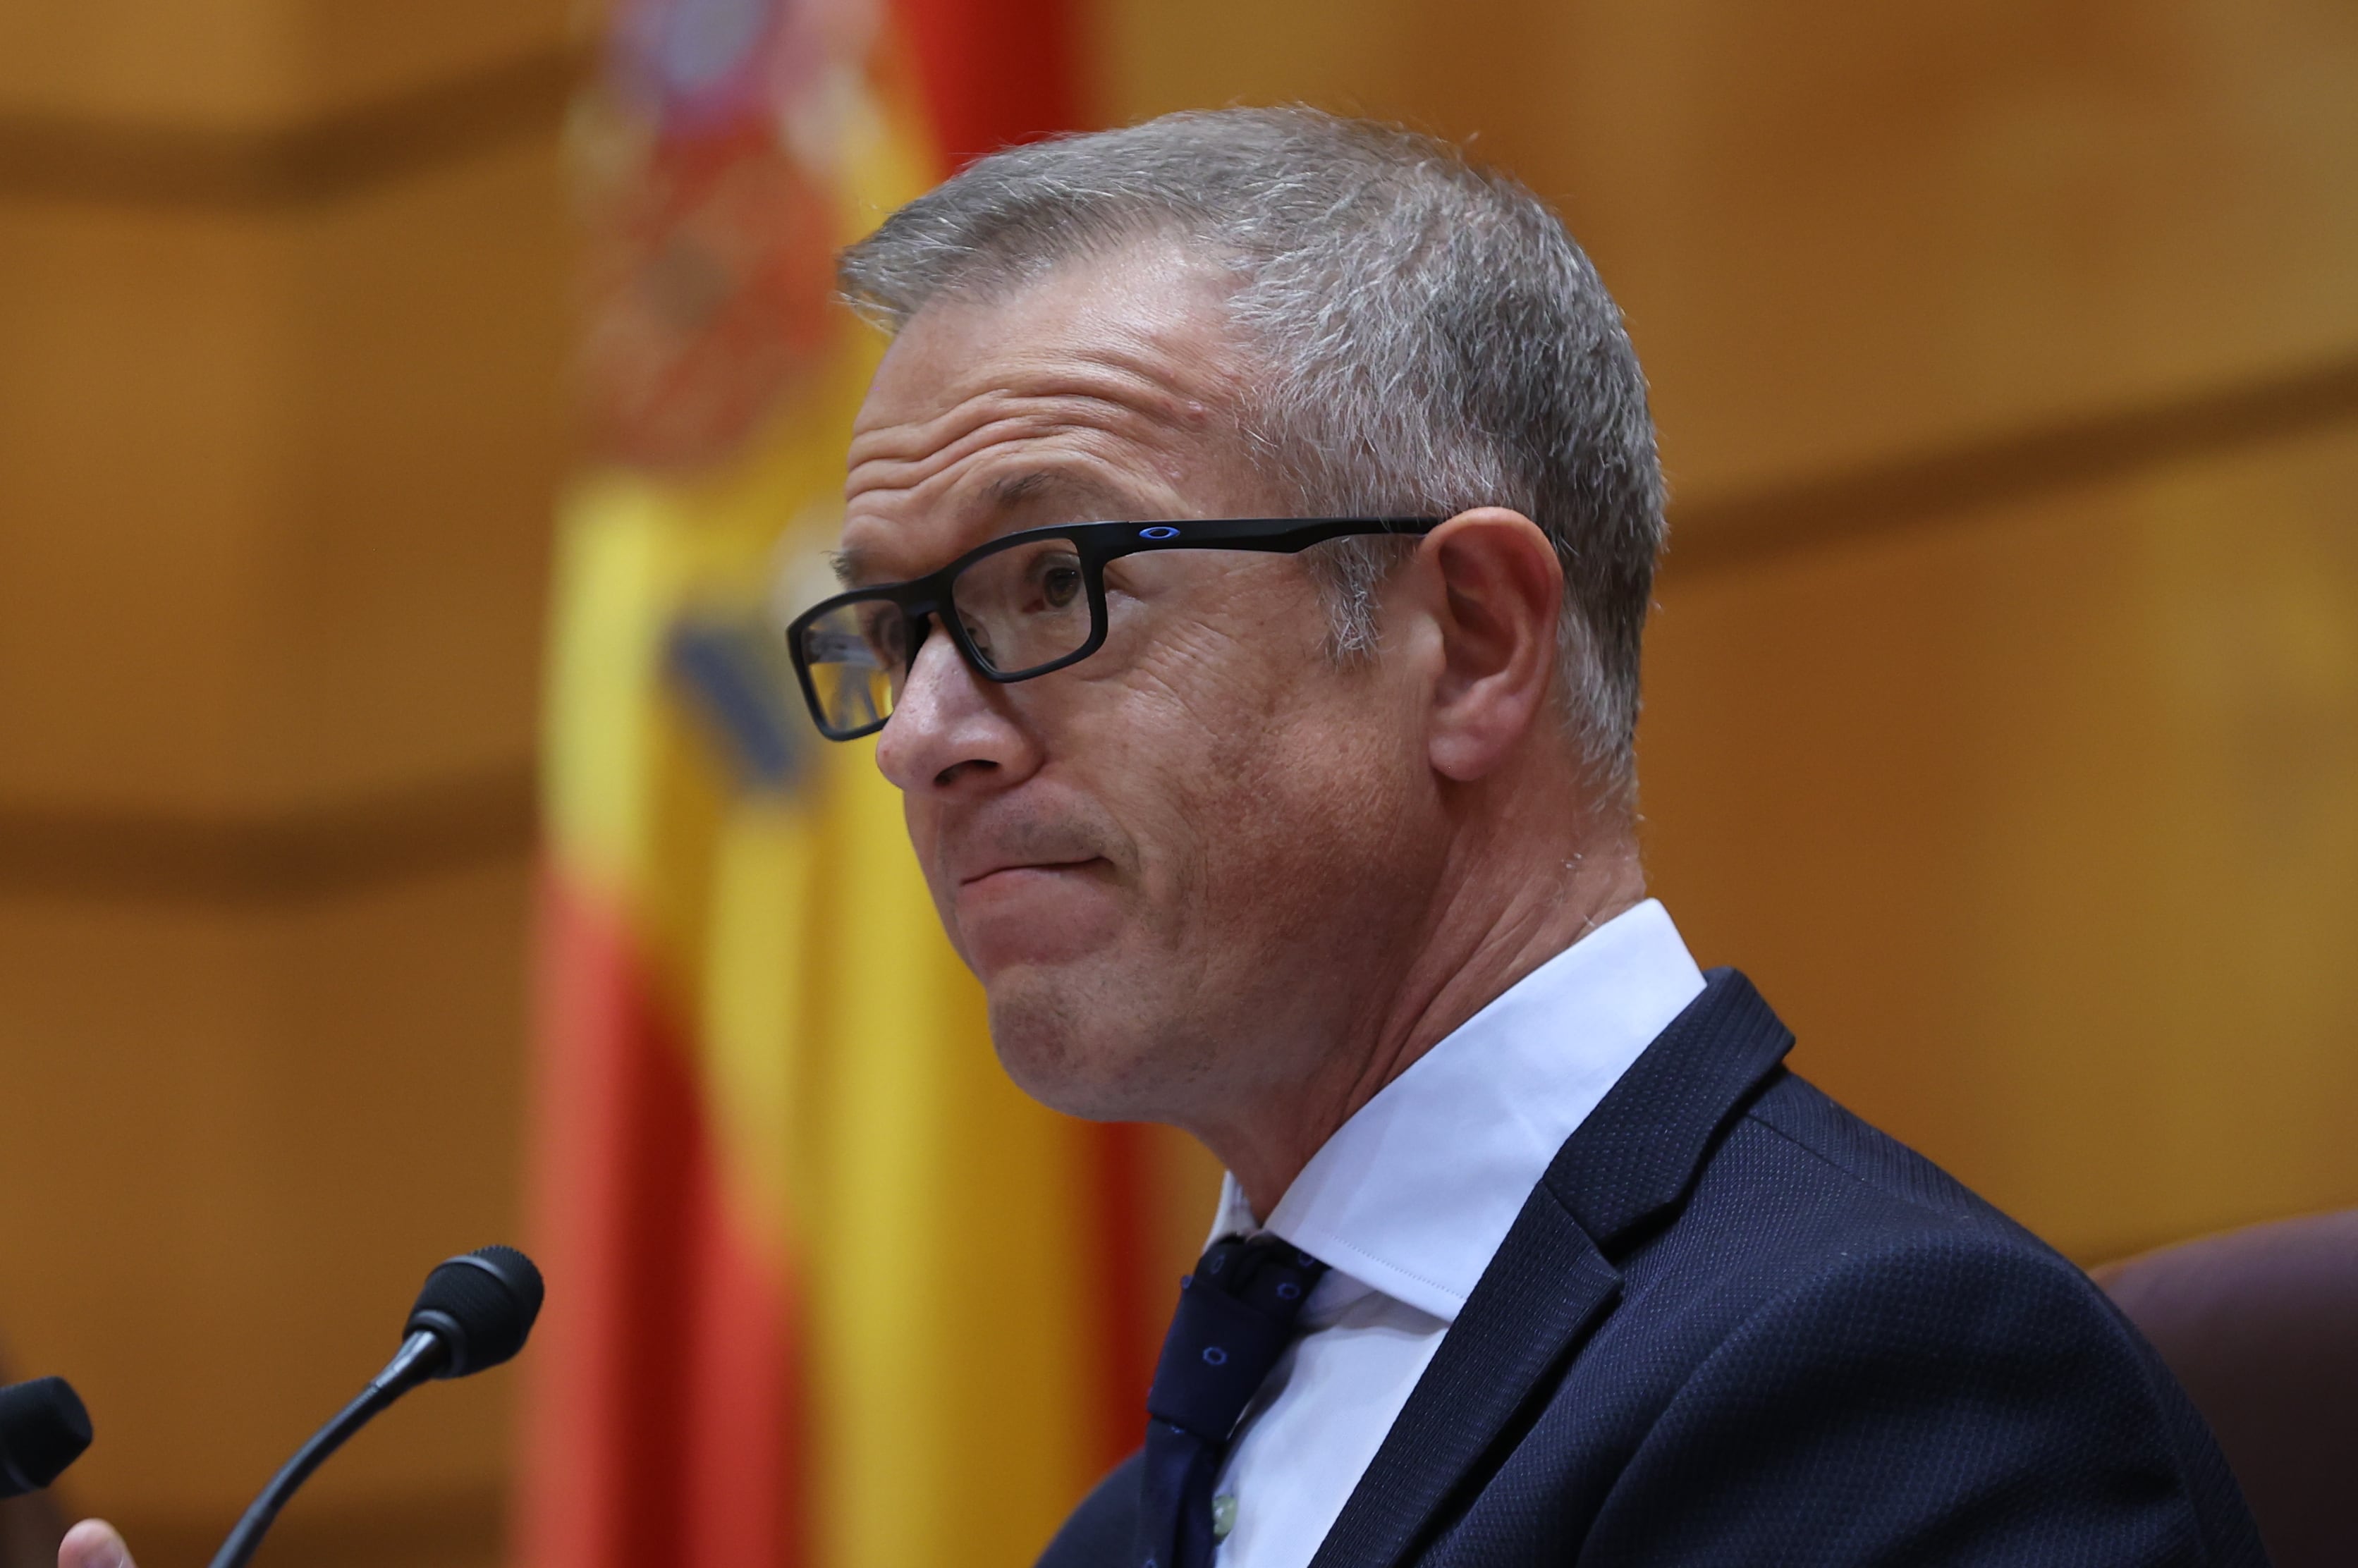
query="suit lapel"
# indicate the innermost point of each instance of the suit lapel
(1623, 1171)
(1546, 1286)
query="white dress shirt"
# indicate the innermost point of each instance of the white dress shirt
(1407, 1203)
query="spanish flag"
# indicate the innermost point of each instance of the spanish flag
(824, 1288)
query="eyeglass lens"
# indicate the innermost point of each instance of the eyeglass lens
(1020, 607)
(1023, 607)
(856, 654)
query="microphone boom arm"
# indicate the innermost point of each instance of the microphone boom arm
(475, 1311)
(421, 1357)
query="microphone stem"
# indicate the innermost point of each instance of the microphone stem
(420, 1355)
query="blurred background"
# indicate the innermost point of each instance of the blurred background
(411, 418)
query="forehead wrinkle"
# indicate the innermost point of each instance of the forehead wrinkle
(931, 450)
(1153, 385)
(1132, 372)
(1083, 424)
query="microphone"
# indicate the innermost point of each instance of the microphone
(43, 1429)
(474, 1313)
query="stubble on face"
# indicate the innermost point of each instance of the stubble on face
(1204, 830)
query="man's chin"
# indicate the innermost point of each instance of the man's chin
(1062, 1044)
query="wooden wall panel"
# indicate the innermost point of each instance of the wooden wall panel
(206, 59)
(283, 318)
(240, 1138)
(1848, 230)
(142, 401)
(2038, 826)
(435, 323)
(246, 65)
(274, 490)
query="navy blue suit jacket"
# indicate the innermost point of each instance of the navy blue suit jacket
(1734, 1325)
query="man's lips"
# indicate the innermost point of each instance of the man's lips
(1032, 911)
(1014, 867)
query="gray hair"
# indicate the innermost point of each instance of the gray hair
(1433, 340)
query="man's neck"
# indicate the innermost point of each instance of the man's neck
(1488, 933)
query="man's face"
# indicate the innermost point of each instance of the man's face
(1178, 866)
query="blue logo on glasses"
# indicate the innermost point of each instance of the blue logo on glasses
(1158, 533)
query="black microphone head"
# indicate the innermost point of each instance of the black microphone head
(43, 1429)
(481, 1305)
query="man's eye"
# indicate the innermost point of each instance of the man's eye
(1060, 585)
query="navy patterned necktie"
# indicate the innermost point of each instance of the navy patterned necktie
(1236, 1317)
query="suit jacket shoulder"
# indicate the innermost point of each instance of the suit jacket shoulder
(1840, 1354)
(1101, 1532)
(1734, 1324)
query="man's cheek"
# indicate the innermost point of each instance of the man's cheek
(924, 842)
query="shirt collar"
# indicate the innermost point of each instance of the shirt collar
(1413, 1194)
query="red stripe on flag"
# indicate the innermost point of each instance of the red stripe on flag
(665, 1409)
(745, 1483)
(1128, 1329)
(995, 72)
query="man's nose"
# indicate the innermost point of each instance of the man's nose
(952, 731)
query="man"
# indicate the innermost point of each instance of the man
(1248, 537)
(1316, 838)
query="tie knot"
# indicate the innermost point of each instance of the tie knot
(1268, 1275)
(1236, 1313)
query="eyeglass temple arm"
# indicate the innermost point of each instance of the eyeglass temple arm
(1277, 535)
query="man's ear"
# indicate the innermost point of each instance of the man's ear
(1494, 587)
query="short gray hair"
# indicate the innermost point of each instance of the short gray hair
(1433, 338)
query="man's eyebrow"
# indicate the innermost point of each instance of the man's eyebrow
(850, 564)
(1013, 490)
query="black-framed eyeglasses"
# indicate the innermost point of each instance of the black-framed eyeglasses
(1018, 607)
